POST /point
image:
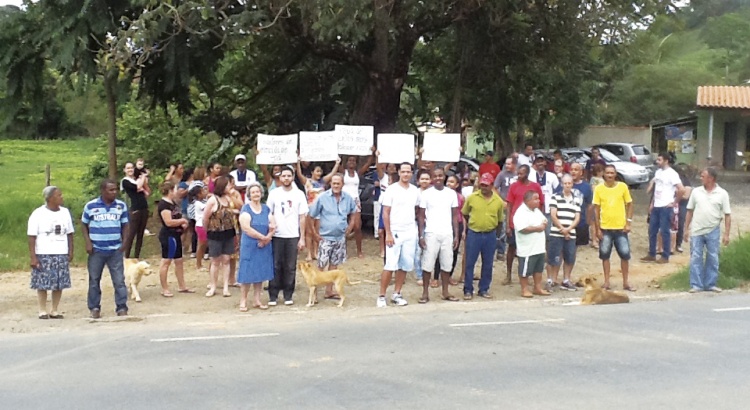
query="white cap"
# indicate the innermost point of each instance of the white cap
(240, 156)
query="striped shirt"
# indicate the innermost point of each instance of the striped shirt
(566, 212)
(105, 223)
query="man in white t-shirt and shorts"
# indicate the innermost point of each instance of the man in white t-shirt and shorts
(400, 201)
(668, 189)
(438, 233)
(530, 225)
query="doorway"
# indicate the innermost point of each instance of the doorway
(730, 145)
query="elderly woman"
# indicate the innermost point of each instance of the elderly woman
(50, 232)
(256, 254)
(219, 221)
(170, 237)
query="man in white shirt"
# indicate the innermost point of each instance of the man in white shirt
(666, 187)
(526, 157)
(400, 201)
(549, 183)
(530, 224)
(242, 176)
(289, 207)
(438, 233)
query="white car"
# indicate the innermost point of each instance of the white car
(627, 172)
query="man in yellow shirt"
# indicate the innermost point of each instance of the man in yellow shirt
(483, 212)
(613, 214)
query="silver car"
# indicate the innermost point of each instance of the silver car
(632, 174)
(635, 153)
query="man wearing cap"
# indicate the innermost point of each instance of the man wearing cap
(242, 176)
(489, 166)
(483, 211)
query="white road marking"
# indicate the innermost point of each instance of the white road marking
(190, 339)
(735, 309)
(516, 322)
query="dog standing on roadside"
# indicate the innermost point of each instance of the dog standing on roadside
(593, 294)
(134, 271)
(314, 278)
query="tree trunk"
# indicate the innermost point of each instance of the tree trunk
(109, 88)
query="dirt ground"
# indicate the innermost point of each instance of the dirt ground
(18, 302)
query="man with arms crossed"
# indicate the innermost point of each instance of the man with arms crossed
(333, 207)
(289, 207)
(706, 206)
(400, 201)
(515, 199)
(530, 225)
(438, 233)
(613, 214)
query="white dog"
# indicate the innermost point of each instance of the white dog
(134, 271)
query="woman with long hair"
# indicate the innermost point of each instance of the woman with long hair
(351, 186)
(137, 191)
(219, 222)
(170, 238)
(215, 170)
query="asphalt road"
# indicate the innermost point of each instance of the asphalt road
(679, 353)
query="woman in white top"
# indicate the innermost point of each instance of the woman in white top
(50, 232)
(351, 187)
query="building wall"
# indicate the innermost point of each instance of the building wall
(717, 148)
(594, 135)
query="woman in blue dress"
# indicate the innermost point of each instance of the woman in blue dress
(256, 255)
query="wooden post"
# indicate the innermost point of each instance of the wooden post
(46, 176)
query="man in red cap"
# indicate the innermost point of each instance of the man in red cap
(483, 211)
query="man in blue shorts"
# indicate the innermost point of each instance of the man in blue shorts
(400, 201)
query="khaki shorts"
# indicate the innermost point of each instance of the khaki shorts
(437, 246)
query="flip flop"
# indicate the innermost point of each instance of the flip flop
(210, 293)
(55, 316)
(44, 316)
(227, 294)
(423, 300)
(261, 307)
(186, 291)
(167, 294)
(629, 288)
(434, 283)
(453, 282)
(527, 295)
(243, 308)
(450, 298)
(333, 297)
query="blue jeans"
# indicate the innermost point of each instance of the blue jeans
(704, 274)
(681, 223)
(418, 262)
(660, 221)
(501, 245)
(114, 263)
(479, 243)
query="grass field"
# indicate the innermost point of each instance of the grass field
(733, 272)
(22, 165)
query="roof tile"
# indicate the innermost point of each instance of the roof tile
(724, 97)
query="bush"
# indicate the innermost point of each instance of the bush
(161, 138)
(733, 262)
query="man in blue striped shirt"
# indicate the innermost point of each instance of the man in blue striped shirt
(105, 222)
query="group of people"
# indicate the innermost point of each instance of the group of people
(424, 220)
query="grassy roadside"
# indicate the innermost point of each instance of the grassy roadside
(22, 165)
(734, 261)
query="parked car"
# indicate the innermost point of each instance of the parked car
(630, 173)
(570, 156)
(367, 185)
(635, 153)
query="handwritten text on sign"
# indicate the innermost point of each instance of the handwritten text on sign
(396, 148)
(277, 149)
(441, 147)
(355, 139)
(318, 146)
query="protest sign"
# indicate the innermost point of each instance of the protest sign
(318, 146)
(396, 148)
(277, 149)
(355, 139)
(441, 147)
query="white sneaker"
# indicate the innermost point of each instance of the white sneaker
(398, 300)
(381, 302)
(289, 302)
(715, 289)
(271, 303)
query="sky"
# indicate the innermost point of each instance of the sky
(10, 2)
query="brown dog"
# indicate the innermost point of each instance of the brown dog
(595, 295)
(315, 278)
(134, 271)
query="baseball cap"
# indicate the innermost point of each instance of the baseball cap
(486, 179)
(240, 156)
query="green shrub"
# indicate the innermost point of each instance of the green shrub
(734, 260)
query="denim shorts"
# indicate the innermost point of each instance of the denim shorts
(620, 241)
(558, 246)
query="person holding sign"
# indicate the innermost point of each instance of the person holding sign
(351, 187)
(314, 185)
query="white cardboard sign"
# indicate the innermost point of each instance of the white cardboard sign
(441, 147)
(318, 146)
(277, 149)
(396, 148)
(355, 139)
